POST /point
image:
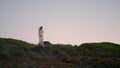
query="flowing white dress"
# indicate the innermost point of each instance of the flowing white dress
(40, 32)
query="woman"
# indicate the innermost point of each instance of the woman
(40, 32)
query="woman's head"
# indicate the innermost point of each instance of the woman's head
(41, 27)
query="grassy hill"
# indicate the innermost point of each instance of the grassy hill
(19, 54)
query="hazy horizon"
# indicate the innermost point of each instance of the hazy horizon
(64, 21)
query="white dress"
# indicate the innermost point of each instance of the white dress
(40, 32)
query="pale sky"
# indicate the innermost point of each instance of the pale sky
(64, 21)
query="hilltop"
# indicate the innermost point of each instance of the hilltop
(20, 54)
